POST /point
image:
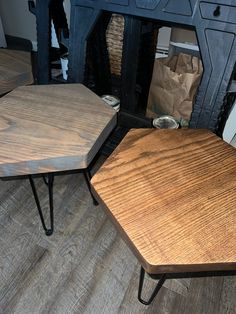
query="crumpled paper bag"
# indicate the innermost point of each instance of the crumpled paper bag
(174, 84)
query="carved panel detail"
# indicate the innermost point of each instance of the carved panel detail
(182, 7)
(219, 53)
(147, 4)
(120, 2)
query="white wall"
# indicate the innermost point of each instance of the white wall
(181, 35)
(164, 37)
(18, 21)
(67, 10)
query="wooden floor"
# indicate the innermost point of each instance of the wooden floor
(84, 267)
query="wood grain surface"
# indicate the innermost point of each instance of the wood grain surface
(51, 128)
(72, 273)
(172, 194)
(15, 69)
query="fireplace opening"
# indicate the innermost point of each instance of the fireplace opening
(176, 75)
(163, 70)
(216, 41)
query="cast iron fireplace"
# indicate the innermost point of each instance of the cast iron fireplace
(214, 22)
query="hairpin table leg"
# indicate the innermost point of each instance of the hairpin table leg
(49, 183)
(88, 176)
(155, 291)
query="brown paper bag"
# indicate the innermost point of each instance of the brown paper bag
(174, 83)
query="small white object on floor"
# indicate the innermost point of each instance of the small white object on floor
(64, 67)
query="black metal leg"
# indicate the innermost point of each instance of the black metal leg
(87, 176)
(156, 290)
(49, 183)
(45, 179)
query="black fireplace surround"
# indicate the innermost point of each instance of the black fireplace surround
(214, 22)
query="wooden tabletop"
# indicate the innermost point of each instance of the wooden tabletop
(51, 128)
(15, 69)
(172, 194)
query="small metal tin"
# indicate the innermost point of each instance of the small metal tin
(112, 101)
(165, 122)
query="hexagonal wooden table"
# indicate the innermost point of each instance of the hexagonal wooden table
(50, 128)
(172, 195)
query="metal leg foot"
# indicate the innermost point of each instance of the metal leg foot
(49, 182)
(156, 290)
(87, 176)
